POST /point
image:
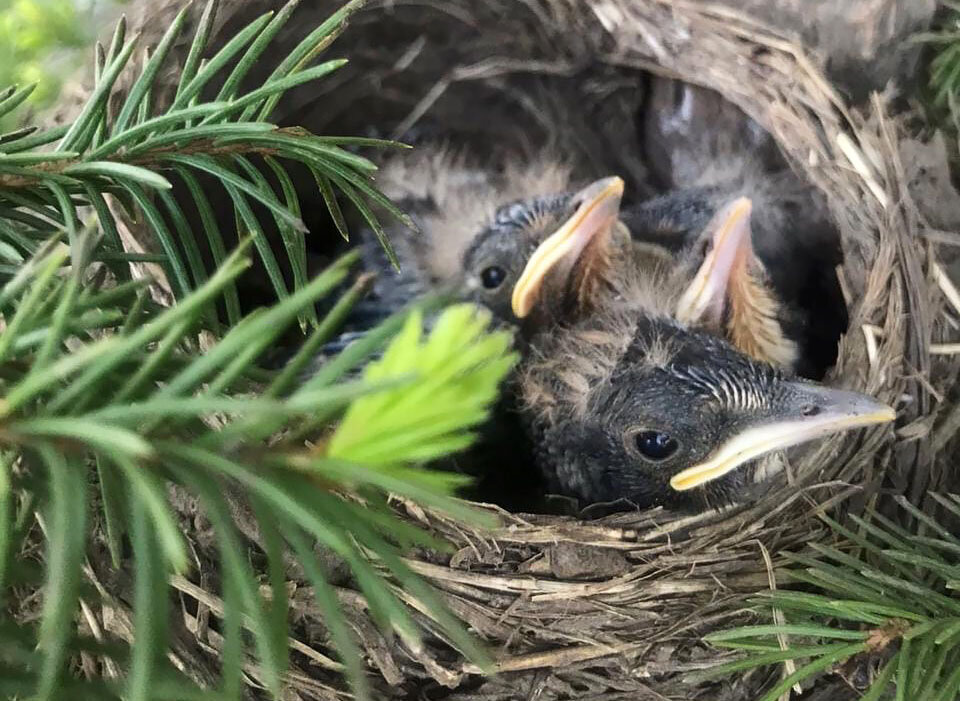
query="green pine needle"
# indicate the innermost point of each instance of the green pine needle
(903, 610)
(99, 370)
(140, 149)
(455, 373)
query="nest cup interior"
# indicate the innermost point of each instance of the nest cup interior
(505, 80)
(426, 76)
(505, 77)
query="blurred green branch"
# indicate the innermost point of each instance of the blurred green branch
(37, 39)
(111, 399)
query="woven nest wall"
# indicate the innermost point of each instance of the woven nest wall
(615, 608)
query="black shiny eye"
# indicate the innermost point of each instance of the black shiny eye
(493, 277)
(654, 445)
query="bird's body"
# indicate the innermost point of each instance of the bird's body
(629, 404)
(477, 227)
(623, 338)
(704, 152)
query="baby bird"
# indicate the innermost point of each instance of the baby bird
(787, 269)
(731, 293)
(705, 151)
(638, 407)
(636, 403)
(478, 228)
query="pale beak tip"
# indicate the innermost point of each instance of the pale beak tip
(886, 414)
(598, 204)
(520, 305)
(866, 410)
(608, 190)
(736, 216)
(742, 206)
(863, 412)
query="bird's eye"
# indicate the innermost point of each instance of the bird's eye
(493, 277)
(655, 445)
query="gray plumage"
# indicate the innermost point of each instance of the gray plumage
(625, 401)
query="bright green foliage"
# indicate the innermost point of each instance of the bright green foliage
(108, 399)
(453, 387)
(882, 590)
(36, 37)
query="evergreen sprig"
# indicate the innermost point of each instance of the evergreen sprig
(883, 593)
(942, 94)
(110, 398)
(135, 153)
(134, 406)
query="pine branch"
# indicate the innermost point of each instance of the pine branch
(140, 151)
(107, 400)
(139, 404)
(883, 593)
(941, 97)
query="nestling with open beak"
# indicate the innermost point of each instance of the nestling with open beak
(784, 274)
(706, 152)
(478, 230)
(481, 229)
(636, 403)
(731, 295)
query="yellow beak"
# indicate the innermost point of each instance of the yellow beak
(598, 211)
(731, 241)
(819, 411)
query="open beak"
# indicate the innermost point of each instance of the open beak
(707, 293)
(811, 412)
(598, 211)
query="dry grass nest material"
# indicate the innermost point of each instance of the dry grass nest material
(615, 608)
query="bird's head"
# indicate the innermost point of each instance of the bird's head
(730, 292)
(716, 282)
(526, 259)
(679, 417)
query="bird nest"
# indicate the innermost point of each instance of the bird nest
(616, 607)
